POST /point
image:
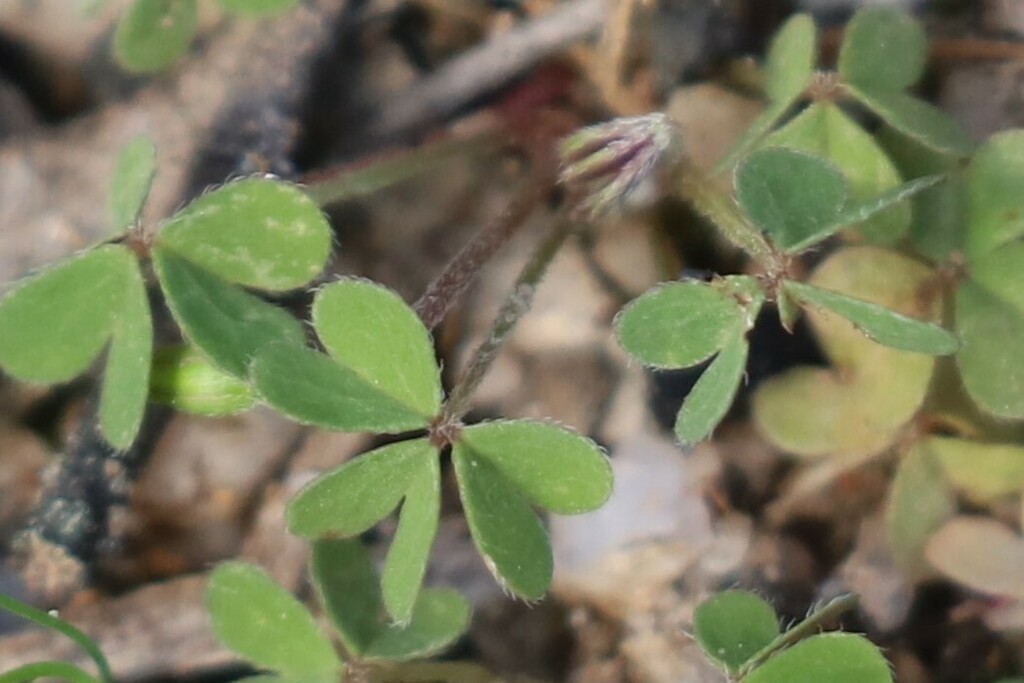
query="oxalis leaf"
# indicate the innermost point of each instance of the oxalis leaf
(344, 577)
(56, 322)
(789, 194)
(995, 177)
(989, 364)
(133, 177)
(918, 120)
(832, 657)
(255, 232)
(154, 33)
(368, 329)
(265, 624)
(880, 324)
(883, 48)
(733, 626)
(679, 324)
(825, 130)
(790, 60)
(352, 498)
(225, 322)
(506, 531)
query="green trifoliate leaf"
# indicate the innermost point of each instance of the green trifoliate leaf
(369, 330)
(995, 177)
(255, 232)
(732, 626)
(348, 587)
(352, 498)
(258, 8)
(791, 58)
(185, 380)
(57, 321)
(551, 466)
(262, 622)
(919, 502)
(832, 657)
(126, 376)
(406, 563)
(990, 329)
(789, 194)
(506, 531)
(679, 324)
(709, 400)
(349, 591)
(133, 176)
(880, 324)
(883, 48)
(309, 387)
(223, 321)
(440, 616)
(152, 34)
(825, 130)
(916, 119)
(984, 471)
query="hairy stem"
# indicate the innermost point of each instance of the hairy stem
(463, 268)
(829, 610)
(516, 304)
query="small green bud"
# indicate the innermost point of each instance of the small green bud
(620, 163)
(185, 380)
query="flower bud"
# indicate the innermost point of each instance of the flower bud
(619, 163)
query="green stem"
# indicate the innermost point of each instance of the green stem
(349, 182)
(515, 306)
(720, 209)
(829, 610)
(49, 621)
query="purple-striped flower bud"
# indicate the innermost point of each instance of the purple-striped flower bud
(620, 163)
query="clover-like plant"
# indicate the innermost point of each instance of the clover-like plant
(152, 34)
(58, 321)
(789, 201)
(380, 375)
(739, 633)
(267, 626)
